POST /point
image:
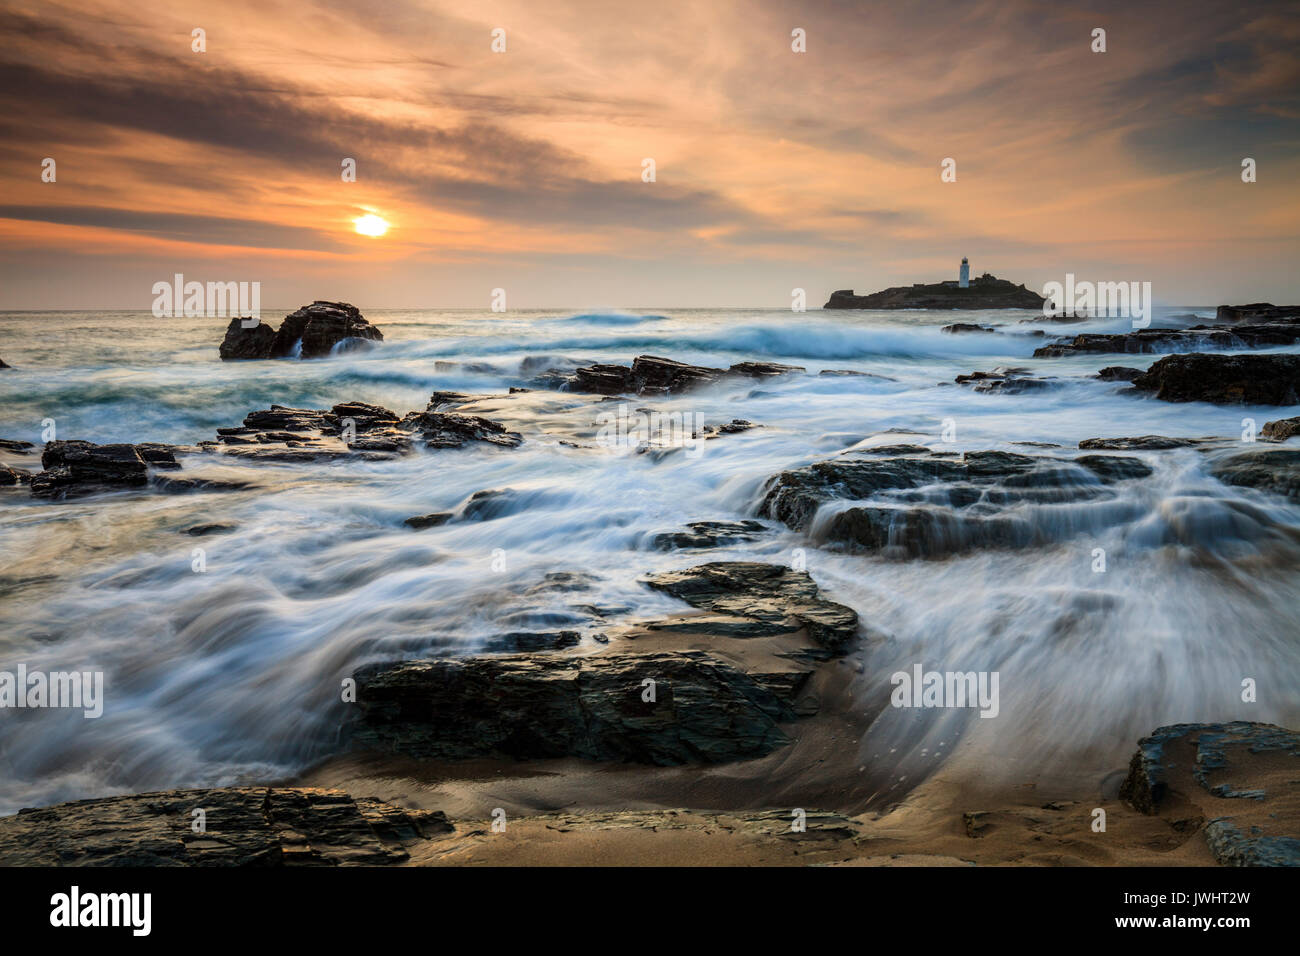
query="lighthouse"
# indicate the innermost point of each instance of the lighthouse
(964, 281)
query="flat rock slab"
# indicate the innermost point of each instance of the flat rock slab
(1235, 780)
(1225, 379)
(245, 826)
(654, 708)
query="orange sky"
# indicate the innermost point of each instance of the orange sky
(522, 169)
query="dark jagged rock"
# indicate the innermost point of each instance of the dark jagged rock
(593, 707)
(201, 530)
(1225, 379)
(650, 375)
(82, 467)
(452, 430)
(257, 342)
(433, 520)
(1281, 332)
(319, 327)
(516, 642)
(1269, 469)
(1006, 380)
(1256, 312)
(985, 292)
(1119, 373)
(4, 365)
(932, 505)
(733, 427)
(1226, 774)
(1282, 429)
(14, 476)
(963, 328)
(1143, 443)
(18, 447)
(772, 595)
(764, 369)
(708, 534)
(245, 826)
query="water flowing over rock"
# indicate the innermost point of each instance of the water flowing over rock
(1006, 380)
(1234, 775)
(930, 505)
(245, 826)
(1119, 373)
(1225, 379)
(319, 327)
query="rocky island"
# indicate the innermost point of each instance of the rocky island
(984, 292)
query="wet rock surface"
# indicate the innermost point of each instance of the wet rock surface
(314, 331)
(1268, 469)
(80, 467)
(1235, 780)
(1282, 429)
(1119, 373)
(1225, 379)
(708, 534)
(1140, 443)
(1257, 312)
(931, 505)
(245, 826)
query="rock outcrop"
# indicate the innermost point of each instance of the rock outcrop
(1282, 429)
(932, 505)
(985, 292)
(314, 331)
(1230, 779)
(1256, 312)
(662, 705)
(82, 467)
(245, 826)
(3, 365)
(1006, 380)
(1224, 379)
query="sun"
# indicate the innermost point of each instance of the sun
(370, 225)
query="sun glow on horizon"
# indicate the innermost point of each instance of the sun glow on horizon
(370, 225)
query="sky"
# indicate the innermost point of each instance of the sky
(523, 170)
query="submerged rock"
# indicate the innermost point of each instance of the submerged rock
(1227, 774)
(1225, 379)
(1007, 380)
(650, 375)
(708, 534)
(246, 826)
(314, 331)
(433, 520)
(963, 328)
(1143, 443)
(1119, 373)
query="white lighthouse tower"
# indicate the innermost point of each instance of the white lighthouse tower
(964, 281)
